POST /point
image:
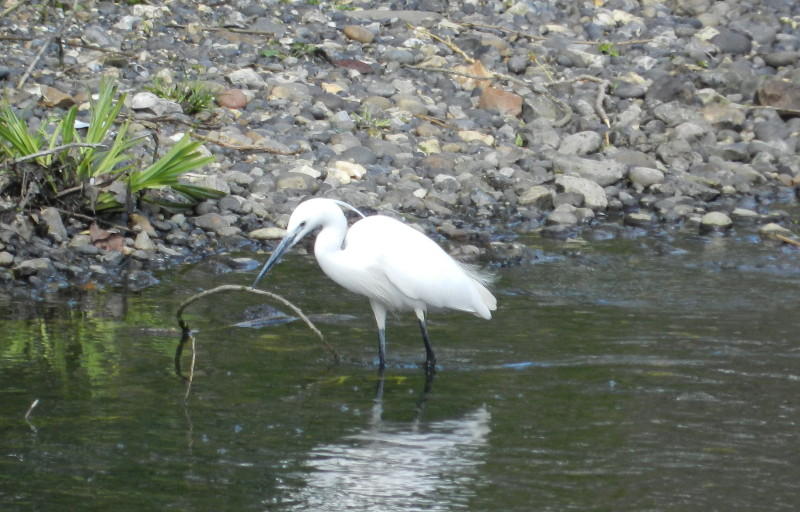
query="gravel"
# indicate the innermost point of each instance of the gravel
(501, 119)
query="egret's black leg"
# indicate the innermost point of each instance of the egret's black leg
(430, 358)
(382, 348)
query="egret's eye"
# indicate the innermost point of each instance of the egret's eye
(302, 225)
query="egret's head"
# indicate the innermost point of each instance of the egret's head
(308, 216)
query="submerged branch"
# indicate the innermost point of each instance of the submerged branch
(186, 334)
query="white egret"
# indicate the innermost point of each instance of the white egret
(395, 266)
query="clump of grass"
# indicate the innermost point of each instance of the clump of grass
(193, 97)
(373, 122)
(58, 161)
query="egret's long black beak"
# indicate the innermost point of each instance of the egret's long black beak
(288, 241)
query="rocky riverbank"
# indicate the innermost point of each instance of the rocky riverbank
(480, 121)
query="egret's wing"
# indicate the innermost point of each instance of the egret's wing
(420, 269)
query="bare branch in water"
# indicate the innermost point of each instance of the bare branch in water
(186, 334)
(28, 414)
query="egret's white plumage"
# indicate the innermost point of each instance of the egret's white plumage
(395, 266)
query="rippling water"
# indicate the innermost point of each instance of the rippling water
(652, 373)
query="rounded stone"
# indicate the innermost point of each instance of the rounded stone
(358, 33)
(715, 221)
(232, 98)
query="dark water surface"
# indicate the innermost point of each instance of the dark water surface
(644, 374)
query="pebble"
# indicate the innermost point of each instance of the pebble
(715, 221)
(232, 98)
(358, 33)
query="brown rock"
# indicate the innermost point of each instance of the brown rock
(503, 101)
(475, 69)
(52, 97)
(783, 95)
(358, 33)
(232, 98)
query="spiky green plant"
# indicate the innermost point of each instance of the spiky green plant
(193, 97)
(69, 159)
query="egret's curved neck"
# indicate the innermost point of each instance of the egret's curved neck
(331, 238)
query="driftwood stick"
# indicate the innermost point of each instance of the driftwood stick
(187, 336)
(239, 147)
(57, 149)
(786, 239)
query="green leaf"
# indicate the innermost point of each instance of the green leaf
(180, 159)
(196, 192)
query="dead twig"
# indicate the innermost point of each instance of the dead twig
(46, 44)
(246, 148)
(186, 334)
(30, 410)
(226, 29)
(12, 9)
(786, 239)
(446, 42)
(603, 85)
(57, 149)
(436, 121)
(28, 415)
(504, 29)
(89, 218)
(72, 44)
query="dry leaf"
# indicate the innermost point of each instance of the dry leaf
(475, 69)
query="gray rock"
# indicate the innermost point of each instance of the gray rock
(581, 143)
(34, 266)
(144, 243)
(779, 59)
(6, 259)
(602, 172)
(773, 229)
(639, 219)
(744, 216)
(400, 56)
(644, 177)
(684, 184)
(342, 121)
(538, 196)
(101, 37)
(730, 41)
(768, 131)
(211, 221)
(295, 92)
(158, 106)
(678, 154)
(296, 181)
(593, 194)
(517, 64)
(55, 226)
(562, 217)
(246, 77)
(715, 221)
(629, 90)
(380, 88)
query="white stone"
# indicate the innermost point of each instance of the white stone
(353, 170)
(270, 233)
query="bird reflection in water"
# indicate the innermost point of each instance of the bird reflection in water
(397, 466)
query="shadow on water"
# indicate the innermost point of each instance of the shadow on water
(652, 373)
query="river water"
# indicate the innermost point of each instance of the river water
(630, 372)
